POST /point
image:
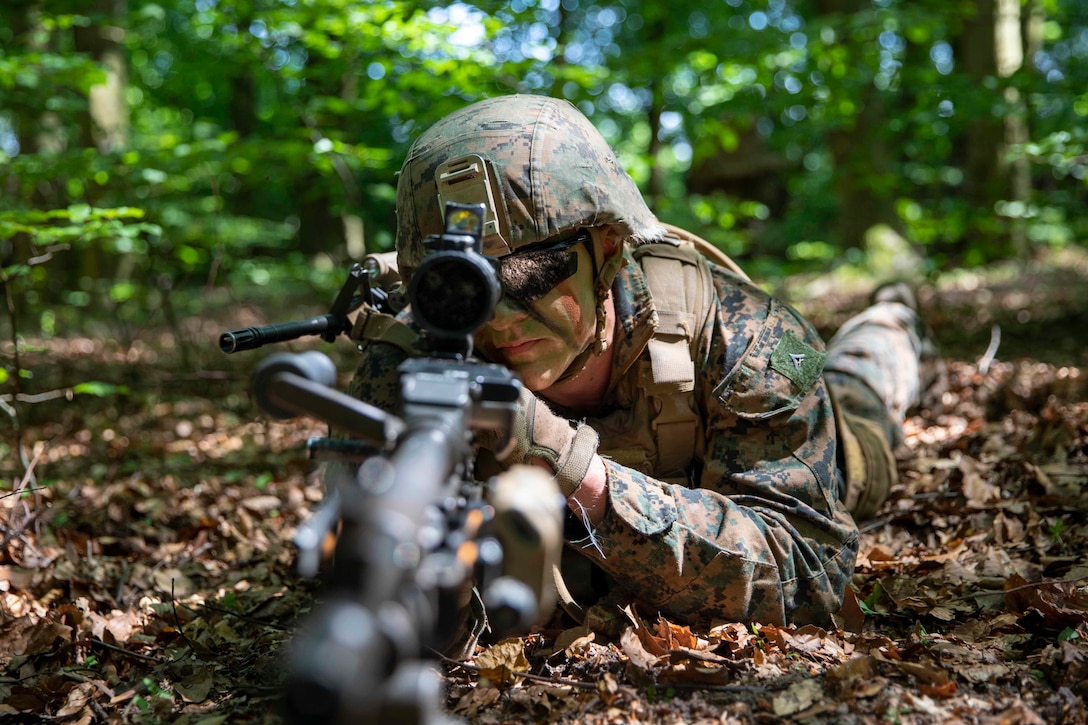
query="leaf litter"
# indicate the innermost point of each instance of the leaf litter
(146, 576)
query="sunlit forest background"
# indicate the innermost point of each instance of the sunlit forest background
(153, 148)
(226, 160)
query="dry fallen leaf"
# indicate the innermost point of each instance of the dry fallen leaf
(500, 663)
(633, 646)
(196, 686)
(798, 697)
(573, 642)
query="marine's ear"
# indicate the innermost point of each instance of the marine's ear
(610, 239)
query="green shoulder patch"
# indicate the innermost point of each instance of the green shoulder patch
(798, 361)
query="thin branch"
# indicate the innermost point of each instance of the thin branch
(757, 689)
(20, 488)
(177, 621)
(987, 358)
(99, 643)
(222, 610)
(1029, 585)
(18, 530)
(526, 675)
(47, 254)
(9, 299)
(66, 393)
(121, 583)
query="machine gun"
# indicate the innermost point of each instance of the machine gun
(416, 530)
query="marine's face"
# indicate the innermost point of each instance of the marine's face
(540, 339)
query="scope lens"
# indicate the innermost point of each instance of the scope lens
(453, 293)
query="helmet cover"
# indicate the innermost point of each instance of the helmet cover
(548, 171)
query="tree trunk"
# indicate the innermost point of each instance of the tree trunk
(748, 170)
(323, 227)
(861, 157)
(859, 153)
(242, 106)
(656, 30)
(655, 187)
(107, 126)
(984, 139)
(992, 49)
(1029, 33)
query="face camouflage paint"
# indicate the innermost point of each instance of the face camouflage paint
(529, 274)
(539, 340)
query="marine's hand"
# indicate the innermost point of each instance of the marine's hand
(541, 436)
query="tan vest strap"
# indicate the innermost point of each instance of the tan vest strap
(679, 281)
(371, 325)
(707, 249)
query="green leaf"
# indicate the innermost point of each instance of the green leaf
(122, 291)
(1068, 635)
(79, 213)
(99, 389)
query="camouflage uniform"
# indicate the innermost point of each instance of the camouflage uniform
(874, 365)
(758, 532)
(753, 525)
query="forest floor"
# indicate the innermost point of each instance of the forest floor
(146, 557)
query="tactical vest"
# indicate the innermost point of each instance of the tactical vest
(658, 428)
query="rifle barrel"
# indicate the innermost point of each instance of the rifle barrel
(251, 338)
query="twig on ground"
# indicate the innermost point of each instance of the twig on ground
(238, 615)
(98, 711)
(561, 682)
(526, 675)
(121, 583)
(13, 532)
(99, 643)
(1029, 585)
(177, 621)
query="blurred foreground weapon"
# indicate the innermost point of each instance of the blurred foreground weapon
(417, 532)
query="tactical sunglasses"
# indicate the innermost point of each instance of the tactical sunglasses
(529, 274)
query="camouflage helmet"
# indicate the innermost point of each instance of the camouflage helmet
(538, 164)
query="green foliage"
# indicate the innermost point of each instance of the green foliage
(98, 389)
(256, 133)
(79, 225)
(654, 696)
(36, 239)
(871, 604)
(1056, 529)
(1068, 635)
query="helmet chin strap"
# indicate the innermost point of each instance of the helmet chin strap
(606, 275)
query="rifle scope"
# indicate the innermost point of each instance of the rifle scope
(455, 288)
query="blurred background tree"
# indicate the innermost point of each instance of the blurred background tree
(158, 155)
